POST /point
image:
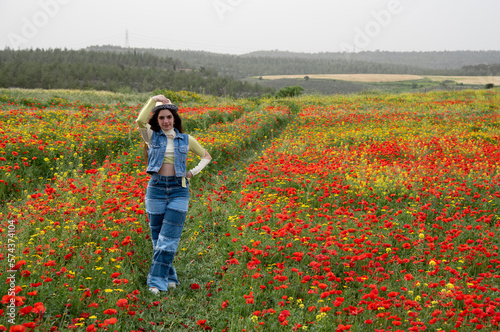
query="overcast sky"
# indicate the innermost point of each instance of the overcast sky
(242, 26)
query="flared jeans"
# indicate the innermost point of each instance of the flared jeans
(166, 205)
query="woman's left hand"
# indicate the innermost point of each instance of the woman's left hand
(189, 175)
(162, 99)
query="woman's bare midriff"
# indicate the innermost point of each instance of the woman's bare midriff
(167, 170)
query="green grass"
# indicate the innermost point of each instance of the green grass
(335, 87)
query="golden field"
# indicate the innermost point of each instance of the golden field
(378, 78)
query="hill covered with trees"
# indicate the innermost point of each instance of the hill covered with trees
(114, 71)
(478, 63)
(437, 60)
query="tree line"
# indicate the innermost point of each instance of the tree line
(114, 71)
(470, 63)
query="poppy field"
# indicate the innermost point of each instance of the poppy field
(372, 212)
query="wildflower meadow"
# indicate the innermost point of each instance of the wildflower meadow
(370, 212)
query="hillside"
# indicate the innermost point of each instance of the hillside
(424, 60)
(283, 63)
(114, 71)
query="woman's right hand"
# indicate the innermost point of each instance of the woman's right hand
(162, 99)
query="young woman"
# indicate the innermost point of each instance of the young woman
(167, 195)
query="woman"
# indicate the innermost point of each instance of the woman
(167, 195)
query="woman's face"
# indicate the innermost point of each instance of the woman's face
(166, 120)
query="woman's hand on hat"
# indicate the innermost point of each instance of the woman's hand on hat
(162, 99)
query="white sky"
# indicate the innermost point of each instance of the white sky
(241, 26)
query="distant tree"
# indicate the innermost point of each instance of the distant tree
(289, 91)
(306, 78)
(489, 86)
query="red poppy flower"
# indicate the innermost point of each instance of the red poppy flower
(338, 301)
(91, 328)
(249, 298)
(408, 276)
(126, 241)
(121, 303)
(26, 310)
(39, 308)
(110, 312)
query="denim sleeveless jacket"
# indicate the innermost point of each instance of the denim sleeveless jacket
(157, 148)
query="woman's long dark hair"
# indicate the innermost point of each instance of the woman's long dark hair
(155, 126)
(153, 122)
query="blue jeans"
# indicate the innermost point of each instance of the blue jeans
(166, 205)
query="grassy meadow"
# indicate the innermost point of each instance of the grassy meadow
(378, 78)
(370, 212)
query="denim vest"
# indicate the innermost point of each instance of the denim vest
(157, 148)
